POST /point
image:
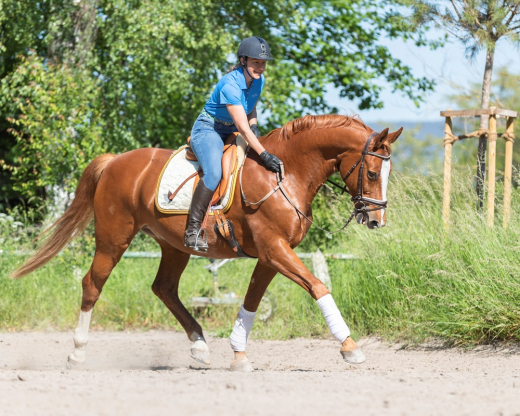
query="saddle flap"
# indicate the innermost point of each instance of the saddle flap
(189, 153)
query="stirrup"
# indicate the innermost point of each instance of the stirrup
(201, 235)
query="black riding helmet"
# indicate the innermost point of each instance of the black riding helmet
(256, 48)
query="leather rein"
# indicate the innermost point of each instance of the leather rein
(360, 202)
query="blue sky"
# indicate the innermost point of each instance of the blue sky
(447, 66)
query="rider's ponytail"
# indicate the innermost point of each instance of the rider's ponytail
(233, 67)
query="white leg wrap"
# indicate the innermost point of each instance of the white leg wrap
(243, 325)
(81, 337)
(332, 316)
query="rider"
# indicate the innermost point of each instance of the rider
(231, 108)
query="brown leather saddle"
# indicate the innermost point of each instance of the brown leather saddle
(223, 226)
(229, 164)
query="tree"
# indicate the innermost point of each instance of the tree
(479, 24)
(504, 93)
(151, 66)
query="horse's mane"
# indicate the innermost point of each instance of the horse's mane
(327, 121)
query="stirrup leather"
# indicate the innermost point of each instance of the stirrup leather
(225, 228)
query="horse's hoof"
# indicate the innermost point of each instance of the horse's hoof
(242, 365)
(200, 352)
(73, 363)
(354, 357)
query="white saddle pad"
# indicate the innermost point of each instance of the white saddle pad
(177, 170)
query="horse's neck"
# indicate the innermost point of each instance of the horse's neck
(310, 157)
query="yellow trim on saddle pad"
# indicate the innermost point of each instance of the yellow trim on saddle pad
(232, 184)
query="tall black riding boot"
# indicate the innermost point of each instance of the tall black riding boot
(194, 237)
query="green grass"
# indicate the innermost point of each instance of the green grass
(413, 280)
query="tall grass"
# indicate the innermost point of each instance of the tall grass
(412, 279)
(417, 280)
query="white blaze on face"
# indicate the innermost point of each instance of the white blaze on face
(385, 175)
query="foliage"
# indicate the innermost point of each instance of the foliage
(334, 43)
(56, 123)
(505, 92)
(410, 154)
(148, 67)
(478, 24)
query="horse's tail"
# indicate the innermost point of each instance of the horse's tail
(72, 223)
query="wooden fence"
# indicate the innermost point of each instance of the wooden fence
(492, 136)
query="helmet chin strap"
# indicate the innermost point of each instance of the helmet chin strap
(244, 66)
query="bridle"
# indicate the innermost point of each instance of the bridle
(360, 201)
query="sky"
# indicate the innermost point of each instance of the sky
(447, 66)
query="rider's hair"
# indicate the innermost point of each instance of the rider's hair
(236, 66)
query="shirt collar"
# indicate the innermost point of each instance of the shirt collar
(242, 79)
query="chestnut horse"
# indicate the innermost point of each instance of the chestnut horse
(118, 191)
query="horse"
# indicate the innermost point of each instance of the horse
(119, 190)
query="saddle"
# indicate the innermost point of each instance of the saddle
(223, 226)
(229, 163)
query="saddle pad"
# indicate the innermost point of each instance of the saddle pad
(177, 169)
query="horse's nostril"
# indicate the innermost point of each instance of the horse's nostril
(373, 224)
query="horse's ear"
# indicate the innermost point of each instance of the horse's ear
(380, 138)
(392, 137)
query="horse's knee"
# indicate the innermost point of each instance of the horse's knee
(318, 290)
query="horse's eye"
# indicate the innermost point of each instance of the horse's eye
(372, 175)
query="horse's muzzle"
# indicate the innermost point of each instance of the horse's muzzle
(373, 224)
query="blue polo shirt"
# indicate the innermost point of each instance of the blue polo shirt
(232, 89)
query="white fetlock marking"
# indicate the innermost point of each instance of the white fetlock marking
(81, 338)
(354, 357)
(332, 316)
(200, 352)
(241, 329)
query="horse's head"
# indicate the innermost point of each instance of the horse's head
(366, 176)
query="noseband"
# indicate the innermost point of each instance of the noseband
(360, 201)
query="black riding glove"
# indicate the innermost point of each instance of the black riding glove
(271, 161)
(254, 129)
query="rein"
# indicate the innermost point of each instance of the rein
(359, 199)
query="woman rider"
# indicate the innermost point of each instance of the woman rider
(231, 108)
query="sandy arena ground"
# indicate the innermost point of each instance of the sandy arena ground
(151, 373)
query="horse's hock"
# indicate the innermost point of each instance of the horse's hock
(491, 135)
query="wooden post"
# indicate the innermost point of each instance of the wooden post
(448, 145)
(508, 169)
(492, 151)
(320, 269)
